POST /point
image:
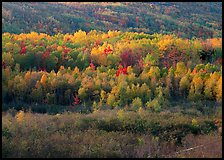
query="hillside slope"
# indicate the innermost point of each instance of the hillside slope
(186, 19)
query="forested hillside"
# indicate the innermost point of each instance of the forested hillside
(185, 19)
(112, 69)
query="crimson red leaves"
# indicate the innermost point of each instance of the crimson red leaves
(76, 100)
(66, 50)
(121, 71)
(45, 55)
(23, 50)
(107, 50)
(92, 66)
(129, 58)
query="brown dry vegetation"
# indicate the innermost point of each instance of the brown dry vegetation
(108, 134)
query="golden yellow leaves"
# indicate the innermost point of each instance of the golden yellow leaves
(80, 37)
(215, 42)
(75, 71)
(99, 53)
(43, 79)
(102, 49)
(129, 69)
(181, 69)
(198, 83)
(154, 72)
(113, 33)
(121, 114)
(9, 46)
(98, 83)
(110, 34)
(210, 85)
(67, 37)
(59, 48)
(20, 116)
(196, 88)
(111, 100)
(27, 76)
(104, 36)
(219, 89)
(102, 95)
(184, 83)
(194, 122)
(33, 36)
(82, 93)
(164, 42)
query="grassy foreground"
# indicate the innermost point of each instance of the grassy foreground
(109, 134)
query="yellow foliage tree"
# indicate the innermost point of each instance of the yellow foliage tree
(27, 76)
(181, 70)
(75, 71)
(20, 116)
(59, 48)
(43, 79)
(196, 88)
(111, 100)
(219, 90)
(210, 85)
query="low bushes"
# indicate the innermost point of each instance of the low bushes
(100, 134)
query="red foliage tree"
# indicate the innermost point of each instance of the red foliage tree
(128, 58)
(107, 50)
(23, 50)
(66, 50)
(172, 56)
(46, 54)
(121, 70)
(92, 66)
(76, 100)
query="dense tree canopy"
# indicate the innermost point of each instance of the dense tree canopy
(116, 69)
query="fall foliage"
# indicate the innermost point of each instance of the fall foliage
(109, 69)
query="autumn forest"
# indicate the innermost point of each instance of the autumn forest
(146, 93)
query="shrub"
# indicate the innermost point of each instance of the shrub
(136, 104)
(154, 105)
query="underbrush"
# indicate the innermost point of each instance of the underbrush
(202, 107)
(111, 133)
